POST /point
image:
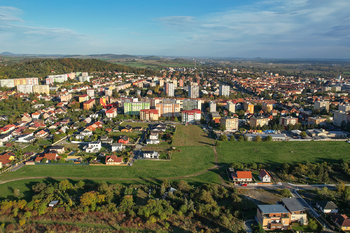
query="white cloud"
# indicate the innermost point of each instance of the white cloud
(286, 26)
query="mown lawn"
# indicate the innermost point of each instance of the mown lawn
(276, 153)
(190, 160)
(191, 135)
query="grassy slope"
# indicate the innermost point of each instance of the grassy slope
(276, 153)
(189, 160)
(191, 135)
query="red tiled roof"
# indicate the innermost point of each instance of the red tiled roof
(244, 174)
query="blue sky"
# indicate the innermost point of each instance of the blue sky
(219, 28)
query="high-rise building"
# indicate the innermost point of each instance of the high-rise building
(224, 90)
(189, 104)
(212, 106)
(168, 109)
(193, 91)
(339, 117)
(231, 107)
(321, 105)
(169, 89)
(248, 106)
(266, 107)
(191, 116)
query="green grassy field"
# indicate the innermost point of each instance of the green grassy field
(276, 153)
(191, 135)
(190, 160)
(134, 124)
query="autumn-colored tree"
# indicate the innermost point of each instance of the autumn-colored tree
(89, 198)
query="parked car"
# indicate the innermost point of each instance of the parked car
(244, 185)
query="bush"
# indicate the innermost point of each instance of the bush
(223, 137)
(232, 139)
(285, 192)
(241, 139)
(258, 138)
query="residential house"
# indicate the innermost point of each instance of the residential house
(342, 221)
(150, 154)
(26, 138)
(26, 117)
(36, 115)
(242, 177)
(153, 139)
(138, 129)
(7, 128)
(264, 176)
(47, 156)
(83, 134)
(127, 129)
(123, 139)
(273, 217)
(106, 140)
(327, 207)
(57, 149)
(111, 113)
(6, 158)
(113, 160)
(296, 209)
(117, 147)
(41, 134)
(93, 147)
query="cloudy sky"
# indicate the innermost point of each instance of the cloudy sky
(220, 28)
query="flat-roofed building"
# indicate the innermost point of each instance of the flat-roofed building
(266, 107)
(321, 105)
(248, 107)
(193, 91)
(134, 108)
(41, 89)
(230, 123)
(288, 120)
(224, 90)
(191, 116)
(273, 217)
(149, 115)
(256, 121)
(231, 107)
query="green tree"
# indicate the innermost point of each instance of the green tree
(258, 138)
(241, 138)
(223, 137)
(232, 138)
(312, 225)
(269, 138)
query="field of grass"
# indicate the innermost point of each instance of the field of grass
(276, 153)
(191, 135)
(190, 160)
(134, 124)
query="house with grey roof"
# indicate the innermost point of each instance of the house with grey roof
(273, 217)
(296, 209)
(327, 207)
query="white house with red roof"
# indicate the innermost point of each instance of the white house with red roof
(111, 113)
(264, 176)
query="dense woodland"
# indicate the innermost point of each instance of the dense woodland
(208, 208)
(43, 67)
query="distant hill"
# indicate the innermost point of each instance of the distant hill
(7, 54)
(43, 67)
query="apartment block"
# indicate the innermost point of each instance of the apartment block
(191, 116)
(340, 116)
(89, 104)
(169, 89)
(193, 91)
(258, 121)
(188, 104)
(248, 107)
(224, 90)
(321, 105)
(167, 109)
(289, 120)
(149, 115)
(24, 88)
(266, 107)
(231, 123)
(41, 89)
(134, 108)
(212, 106)
(231, 107)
